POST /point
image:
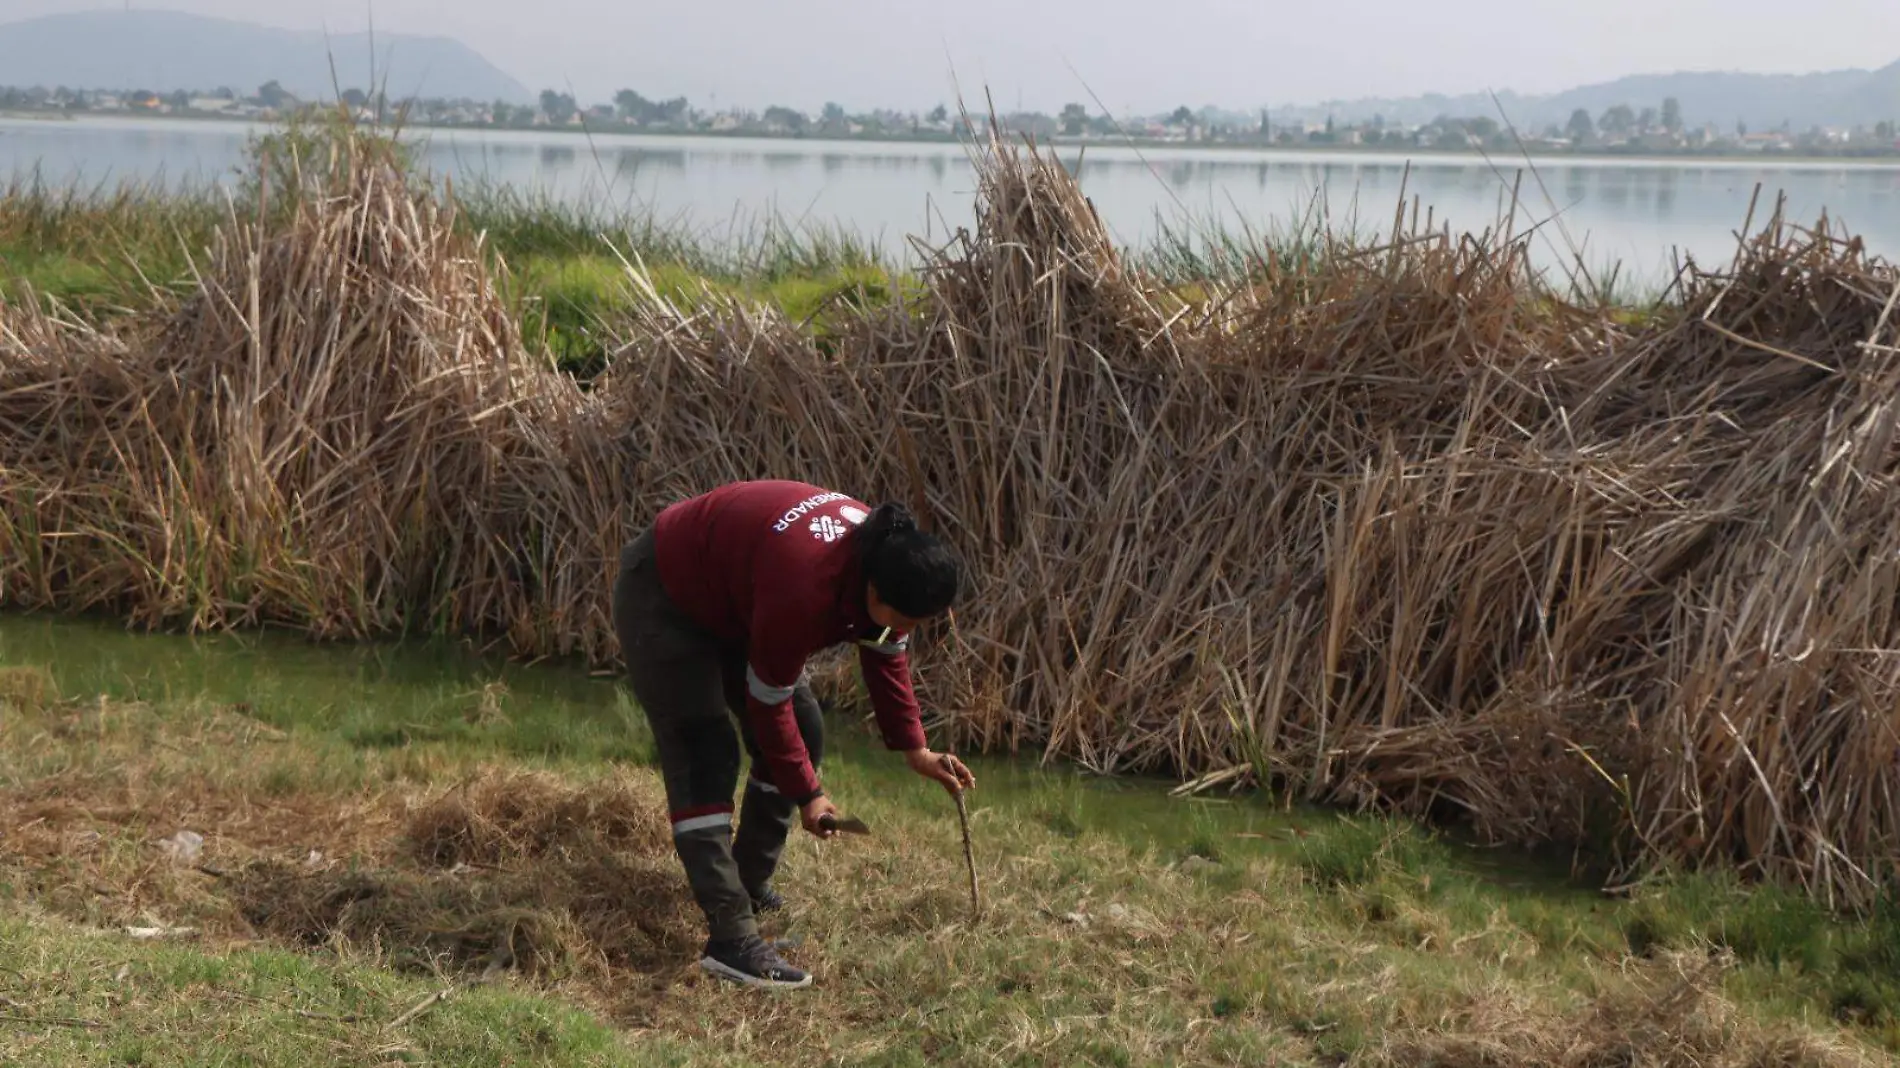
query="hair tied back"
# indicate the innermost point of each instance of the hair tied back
(891, 518)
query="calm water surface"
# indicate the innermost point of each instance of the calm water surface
(1641, 214)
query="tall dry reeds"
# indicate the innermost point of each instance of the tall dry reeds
(1384, 526)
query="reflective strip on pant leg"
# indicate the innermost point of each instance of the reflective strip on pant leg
(689, 821)
(706, 855)
(764, 692)
(700, 823)
(760, 785)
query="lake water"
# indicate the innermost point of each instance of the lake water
(1640, 214)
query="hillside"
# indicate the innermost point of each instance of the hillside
(1763, 101)
(165, 51)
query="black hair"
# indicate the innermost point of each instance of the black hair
(913, 571)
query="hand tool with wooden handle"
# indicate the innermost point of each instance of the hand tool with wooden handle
(848, 824)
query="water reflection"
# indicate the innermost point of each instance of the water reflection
(1666, 193)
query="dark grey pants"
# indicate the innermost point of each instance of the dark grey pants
(692, 688)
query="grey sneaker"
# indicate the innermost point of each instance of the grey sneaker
(767, 900)
(753, 961)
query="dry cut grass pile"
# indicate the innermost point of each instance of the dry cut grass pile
(1385, 526)
(487, 870)
(512, 871)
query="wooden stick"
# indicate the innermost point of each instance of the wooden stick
(969, 855)
(420, 1007)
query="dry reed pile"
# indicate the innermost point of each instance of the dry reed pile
(1388, 527)
(313, 438)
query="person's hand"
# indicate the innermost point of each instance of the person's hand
(941, 767)
(816, 810)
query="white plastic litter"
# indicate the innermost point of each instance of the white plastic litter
(184, 847)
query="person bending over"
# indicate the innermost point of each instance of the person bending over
(717, 607)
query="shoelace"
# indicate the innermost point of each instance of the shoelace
(759, 954)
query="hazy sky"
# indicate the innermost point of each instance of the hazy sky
(1146, 55)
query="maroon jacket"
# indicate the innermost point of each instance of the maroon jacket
(773, 565)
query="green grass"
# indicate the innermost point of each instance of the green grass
(77, 999)
(1122, 926)
(102, 250)
(569, 304)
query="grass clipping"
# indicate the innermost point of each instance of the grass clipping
(510, 871)
(501, 870)
(1386, 525)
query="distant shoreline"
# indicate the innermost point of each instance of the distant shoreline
(1407, 152)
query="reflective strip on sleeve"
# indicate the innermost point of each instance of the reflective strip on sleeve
(764, 693)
